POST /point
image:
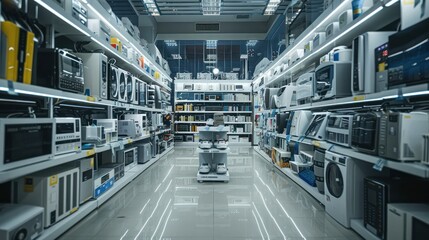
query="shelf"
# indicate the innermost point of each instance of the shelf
(235, 133)
(62, 159)
(185, 132)
(208, 101)
(204, 122)
(237, 81)
(357, 225)
(179, 144)
(311, 190)
(213, 150)
(62, 226)
(372, 19)
(37, 91)
(213, 111)
(421, 89)
(213, 177)
(416, 169)
(213, 91)
(70, 26)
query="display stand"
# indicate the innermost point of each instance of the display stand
(213, 156)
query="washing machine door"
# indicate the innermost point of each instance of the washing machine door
(334, 180)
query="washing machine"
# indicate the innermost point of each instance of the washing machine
(344, 187)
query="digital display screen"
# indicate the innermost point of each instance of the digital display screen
(63, 128)
(372, 196)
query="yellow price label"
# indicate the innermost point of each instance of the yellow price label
(92, 162)
(316, 143)
(130, 141)
(359, 98)
(53, 180)
(90, 152)
(90, 99)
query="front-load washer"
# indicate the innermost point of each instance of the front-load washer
(344, 187)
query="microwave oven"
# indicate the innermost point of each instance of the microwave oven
(398, 133)
(110, 128)
(407, 221)
(332, 79)
(379, 191)
(408, 54)
(68, 135)
(60, 69)
(113, 82)
(305, 88)
(339, 129)
(55, 189)
(317, 127)
(128, 157)
(363, 66)
(365, 130)
(300, 121)
(96, 72)
(18, 42)
(286, 96)
(16, 150)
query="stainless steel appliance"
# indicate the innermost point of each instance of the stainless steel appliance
(96, 72)
(407, 221)
(86, 167)
(339, 129)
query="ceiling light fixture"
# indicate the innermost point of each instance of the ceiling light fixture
(272, 7)
(211, 7)
(151, 7)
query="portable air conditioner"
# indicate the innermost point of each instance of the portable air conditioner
(57, 190)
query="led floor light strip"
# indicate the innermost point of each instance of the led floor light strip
(259, 227)
(165, 225)
(262, 221)
(159, 222)
(293, 222)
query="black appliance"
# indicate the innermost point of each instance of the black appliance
(60, 69)
(281, 121)
(365, 128)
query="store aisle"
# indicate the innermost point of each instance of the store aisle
(167, 202)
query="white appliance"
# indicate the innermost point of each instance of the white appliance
(345, 18)
(305, 87)
(332, 80)
(68, 135)
(86, 183)
(407, 221)
(142, 121)
(122, 87)
(96, 72)
(270, 96)
(132, 89)
(300, 121)
(413, 11)
(130, 128)
(128, 157)
(205, 144)
(93, 134)
(317, 127)
(221, 144)
(332, 29)
(110, 128)
(286, 96)
(363, 63)
(343, 187)
(103, 181)
(204, 168)
(297, 166)
(318, 39)
(20, 222)
(221, 168)
(56, 189)
(100, 29)
(398, 134)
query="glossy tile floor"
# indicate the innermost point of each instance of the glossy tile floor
(167, 202)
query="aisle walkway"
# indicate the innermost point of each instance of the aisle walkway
(166, 202)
